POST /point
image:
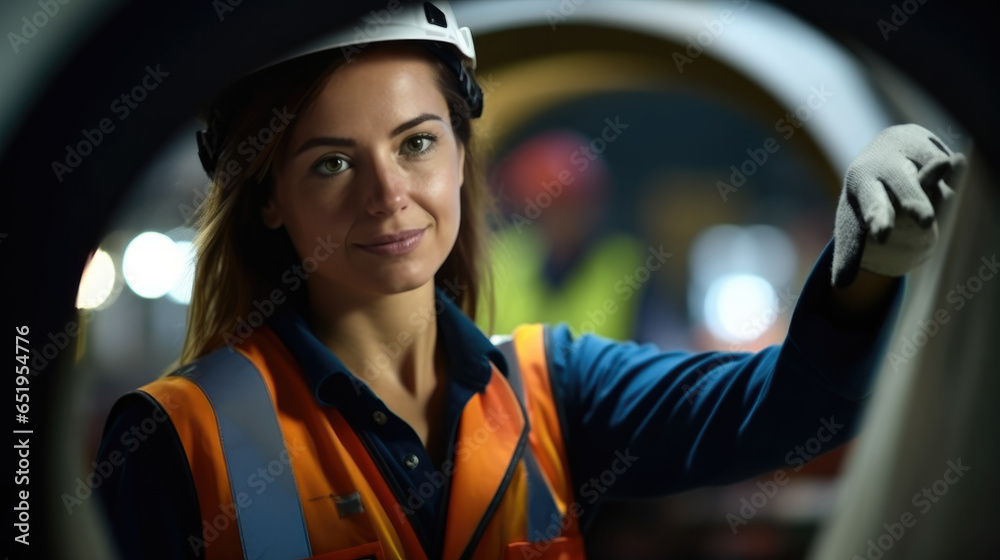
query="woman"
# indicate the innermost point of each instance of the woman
(335, 398)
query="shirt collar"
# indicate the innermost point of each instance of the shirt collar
(469, 352)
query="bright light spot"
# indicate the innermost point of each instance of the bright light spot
(151, 264)
(740, 307)
(97, 282)
(181, 292)
(726, 251)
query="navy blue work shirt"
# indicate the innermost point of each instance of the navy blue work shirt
(638, 421)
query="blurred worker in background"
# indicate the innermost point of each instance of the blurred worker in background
(555, 259)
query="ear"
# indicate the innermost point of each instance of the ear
(270, 215)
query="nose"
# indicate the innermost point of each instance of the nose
(387, 193)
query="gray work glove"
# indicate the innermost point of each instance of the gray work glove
(893, 192)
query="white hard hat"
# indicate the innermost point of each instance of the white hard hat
(431, 22)
(400, 20)
(410, 20)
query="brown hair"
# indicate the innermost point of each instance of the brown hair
(240, 261)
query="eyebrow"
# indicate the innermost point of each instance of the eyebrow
(334, 141)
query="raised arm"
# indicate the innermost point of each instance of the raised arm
(685, 420)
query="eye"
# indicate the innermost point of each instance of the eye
(331, 165)
(418, 144)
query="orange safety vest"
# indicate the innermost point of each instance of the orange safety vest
(279, 476)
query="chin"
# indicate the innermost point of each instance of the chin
(400, 281)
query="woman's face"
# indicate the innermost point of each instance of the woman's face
(368, 182)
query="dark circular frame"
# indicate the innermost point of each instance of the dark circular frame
(51, 225)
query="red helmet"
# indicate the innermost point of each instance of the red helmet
(560, 163)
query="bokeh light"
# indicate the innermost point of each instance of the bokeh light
(740, 307)
(97, 283)
(152, 264)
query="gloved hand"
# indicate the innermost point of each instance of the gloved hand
(893, 192)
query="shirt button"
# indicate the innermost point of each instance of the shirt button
(411, 461)
(380, 417)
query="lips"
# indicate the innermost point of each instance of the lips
(397, 243)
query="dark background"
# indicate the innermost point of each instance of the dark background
(51, 226)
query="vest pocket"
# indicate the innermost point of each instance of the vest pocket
(562, 548)
(369, 551)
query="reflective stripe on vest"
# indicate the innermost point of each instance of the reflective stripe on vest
(273, 527)
(542, 508)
